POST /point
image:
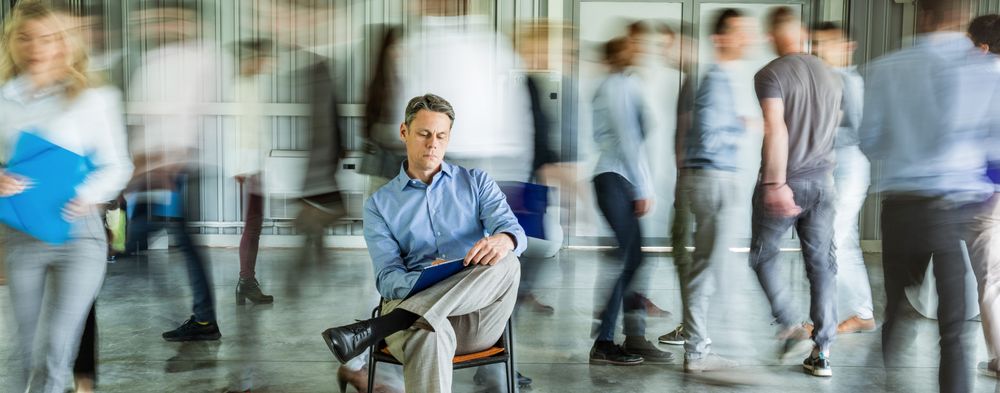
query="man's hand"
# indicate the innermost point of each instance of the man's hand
(11, 185)
(642, 206)
(489, 250)
(75, 209)
(780, 201)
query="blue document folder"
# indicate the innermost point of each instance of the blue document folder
(53, 174)
(436, 273)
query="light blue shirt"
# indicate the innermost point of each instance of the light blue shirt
(409, 224)
(927, 116)
(714, 139)
(852, 106)
(619, 131)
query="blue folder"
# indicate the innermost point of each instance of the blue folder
(53, 173)
(436, 273)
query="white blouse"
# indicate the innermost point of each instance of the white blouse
(90, 125)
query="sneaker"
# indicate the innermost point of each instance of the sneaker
(675, 337)
(795, 341)
(855, 324)
(989, 368)
(192, 330)
(710, 362)
(609, 353)
(650, 353)
(818, 365)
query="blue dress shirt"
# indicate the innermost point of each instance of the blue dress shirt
(714, 139)
(927, 116)
(409, 224)
(619, 131)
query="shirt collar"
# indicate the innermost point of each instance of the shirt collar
(20, 89)
(403, 179)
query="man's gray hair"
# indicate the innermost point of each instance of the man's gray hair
(429, 102)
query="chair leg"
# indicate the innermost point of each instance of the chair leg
(511, 369)
(371, 372)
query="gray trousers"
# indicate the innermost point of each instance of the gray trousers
(984, 249)
(466, 313)
(814, 226)
(851, 178)
(52, 288)
(711, 194)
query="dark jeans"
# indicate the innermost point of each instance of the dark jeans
(913, 230)
(616, 201)
(814, 226)
(144, 222)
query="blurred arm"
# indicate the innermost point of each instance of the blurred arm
(775, 149)
(108, 153)
(495, 213)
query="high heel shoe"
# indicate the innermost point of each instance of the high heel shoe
(249, 289)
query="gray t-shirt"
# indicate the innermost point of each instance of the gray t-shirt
(812, 94)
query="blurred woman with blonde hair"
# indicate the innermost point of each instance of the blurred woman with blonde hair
(45, 90)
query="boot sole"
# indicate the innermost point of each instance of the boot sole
(671, 342)
(818, 373)
(201, 337)
(615, 363)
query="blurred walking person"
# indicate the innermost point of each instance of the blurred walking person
(984, 242)
(46, 89)
(176, 77)
(624, 193)
(851, 178)
(800, 98)
(709, 180)
(924, 120)
(254, 61)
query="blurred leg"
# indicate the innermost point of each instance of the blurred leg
(815, 230)
(767, 233)
(851, 179)
(616, 203)
(253, 219)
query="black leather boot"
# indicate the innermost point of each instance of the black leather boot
(249, 289)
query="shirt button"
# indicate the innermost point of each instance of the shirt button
(439, 233)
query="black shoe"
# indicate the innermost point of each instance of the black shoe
(349, 341)
(613, 354)
(650, 353)
(523, 382)
(192, 330)
(818, 365)
(249, 289)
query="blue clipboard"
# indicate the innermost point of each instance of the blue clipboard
(436, 273)
(53, 173)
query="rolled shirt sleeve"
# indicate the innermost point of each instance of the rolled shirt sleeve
(392, 279)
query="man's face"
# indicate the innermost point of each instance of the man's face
(832, 47)
(739, 34)
(786, 35)
(426, 139)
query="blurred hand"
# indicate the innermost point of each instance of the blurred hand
(240, 179)
(489, 250)
(11, 185)
(642, 206)
(75, 209)
(780, 201)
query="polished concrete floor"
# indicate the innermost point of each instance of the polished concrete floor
(278, 348)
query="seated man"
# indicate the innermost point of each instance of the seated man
(431, 211)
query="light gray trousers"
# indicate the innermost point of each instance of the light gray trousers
(464, 314)
(52, 289)
(712, 195)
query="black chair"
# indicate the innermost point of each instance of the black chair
(502, 352)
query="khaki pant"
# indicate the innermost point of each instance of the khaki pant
(464, 314)
(984, 249)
